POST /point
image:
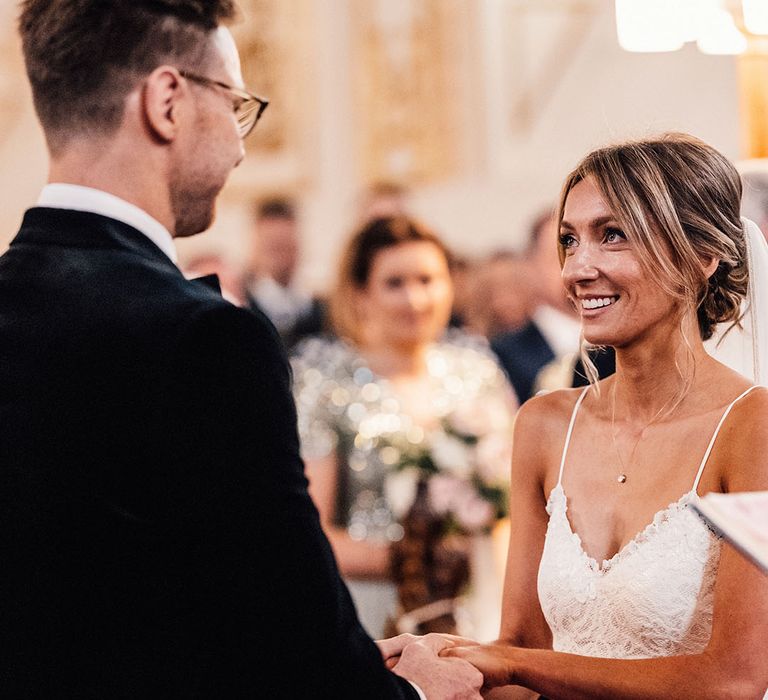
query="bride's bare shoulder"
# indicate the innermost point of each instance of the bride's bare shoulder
(742, 444)
(546, 415)
(749, 416)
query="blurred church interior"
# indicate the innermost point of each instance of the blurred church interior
(477, 107)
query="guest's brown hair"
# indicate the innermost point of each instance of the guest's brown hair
(83, 57)
(357, 260)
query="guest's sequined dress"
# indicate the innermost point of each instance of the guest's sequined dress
(344, 407)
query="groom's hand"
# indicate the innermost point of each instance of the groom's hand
(416, 658)
(392, 648)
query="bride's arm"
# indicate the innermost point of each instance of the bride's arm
(733, 664)
(536, 444)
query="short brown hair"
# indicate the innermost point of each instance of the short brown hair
(83, 57)
(357, 261)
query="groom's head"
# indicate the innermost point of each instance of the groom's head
(149, 89)
(84, 57)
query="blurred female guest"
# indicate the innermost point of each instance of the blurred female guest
(610, 592)
(403, 434)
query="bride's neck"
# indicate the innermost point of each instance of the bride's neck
(650, 379)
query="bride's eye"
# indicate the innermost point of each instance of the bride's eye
(567, 241)
(614, 235)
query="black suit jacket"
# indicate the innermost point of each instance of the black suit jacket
(156, 535)
(523, 353)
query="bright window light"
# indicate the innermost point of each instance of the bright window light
(756, 16)
(719, 35)
(649, 25)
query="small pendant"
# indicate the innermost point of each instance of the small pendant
(621, 478)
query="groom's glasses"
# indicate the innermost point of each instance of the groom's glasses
(248, 107)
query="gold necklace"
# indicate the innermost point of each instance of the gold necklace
(622, 476)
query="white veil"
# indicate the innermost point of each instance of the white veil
(746, 349)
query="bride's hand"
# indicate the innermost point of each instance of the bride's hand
(494, 661)
(392, 648)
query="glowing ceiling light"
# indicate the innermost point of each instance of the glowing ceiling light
(719, 35)
(688, 16)
(756, 16)
(649, 25)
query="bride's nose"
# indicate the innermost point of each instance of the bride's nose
(582, 265)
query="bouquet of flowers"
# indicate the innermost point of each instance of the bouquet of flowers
(464, 462)
(444, 487)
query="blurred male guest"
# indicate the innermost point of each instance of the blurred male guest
(272, 286)
(157, 538)
(383, 199)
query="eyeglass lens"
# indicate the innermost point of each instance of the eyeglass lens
(247, 114)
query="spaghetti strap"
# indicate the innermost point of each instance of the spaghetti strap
(714, 437)
(570, 431)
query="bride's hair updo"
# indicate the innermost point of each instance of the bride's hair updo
(678, 200)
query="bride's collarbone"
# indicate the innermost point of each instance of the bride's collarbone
(646, 479)
(677, 439)
(597, 483)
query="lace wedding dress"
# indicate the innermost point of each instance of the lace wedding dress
(653, 598)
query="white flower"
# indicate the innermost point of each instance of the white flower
(400, 490)
(450, 454)
(443, 492)
(459, 498)
(493, 458)
(480, 417)
(473, 513)
(468, 418)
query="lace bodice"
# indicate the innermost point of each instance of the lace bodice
(653, 598)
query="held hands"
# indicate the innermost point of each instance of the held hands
(494, 661)
(441, 678)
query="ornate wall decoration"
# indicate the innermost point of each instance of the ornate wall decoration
(275, 44)
(753, 98)
(409, 65)
(542, 38)
(13, 88)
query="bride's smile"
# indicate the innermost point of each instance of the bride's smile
(590, 303)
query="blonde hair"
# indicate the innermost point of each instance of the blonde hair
(678, 200)
(356, 263)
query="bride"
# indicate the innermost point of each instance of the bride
(610, 592)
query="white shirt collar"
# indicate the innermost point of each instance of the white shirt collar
(59, 195)
(561, 331)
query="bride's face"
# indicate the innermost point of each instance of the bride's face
(617, 301)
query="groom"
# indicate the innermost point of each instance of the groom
(156, 536)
